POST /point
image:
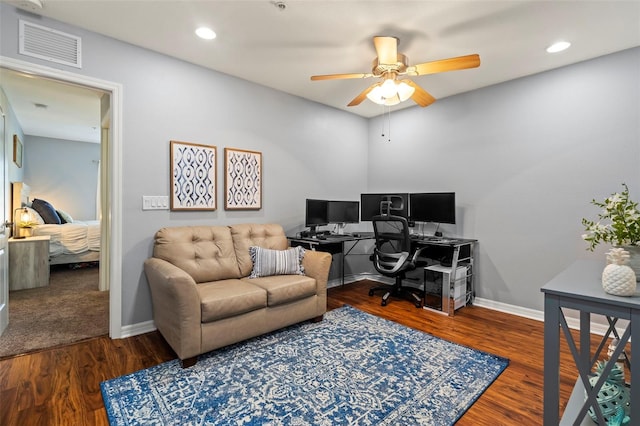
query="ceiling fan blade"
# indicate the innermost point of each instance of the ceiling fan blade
(339, 76)
(362, 96)
(443, 65)
(420, 96)
(387, 49)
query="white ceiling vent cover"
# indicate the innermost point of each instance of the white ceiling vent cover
(49, 44)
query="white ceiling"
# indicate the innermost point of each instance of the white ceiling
(260, 42)
(71, 112)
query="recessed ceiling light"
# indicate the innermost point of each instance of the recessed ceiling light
(205, 33)
(558, 46)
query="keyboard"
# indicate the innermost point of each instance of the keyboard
(431, 239)
(338, 237)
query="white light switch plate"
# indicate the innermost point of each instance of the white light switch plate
(155, 202)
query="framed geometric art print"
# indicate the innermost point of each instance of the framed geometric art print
(193, 176)
(242, 179)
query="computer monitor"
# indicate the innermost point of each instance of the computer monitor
(316, 214)
(437, 207)
(375, 204)
(343, 211)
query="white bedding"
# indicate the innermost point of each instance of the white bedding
(71, 238)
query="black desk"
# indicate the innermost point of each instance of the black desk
(461, 251)
(334, 244)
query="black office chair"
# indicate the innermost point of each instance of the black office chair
(393, 257)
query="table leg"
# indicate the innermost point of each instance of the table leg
(551, 360)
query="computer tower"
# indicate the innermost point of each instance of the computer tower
(434, 278)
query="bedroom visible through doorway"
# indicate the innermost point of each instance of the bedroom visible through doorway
(85, 277)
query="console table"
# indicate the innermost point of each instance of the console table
(579, 287)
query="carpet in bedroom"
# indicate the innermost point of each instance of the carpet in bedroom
(69, 309)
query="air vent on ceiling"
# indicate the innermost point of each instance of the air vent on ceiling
(49, 44)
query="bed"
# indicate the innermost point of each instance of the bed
(71, 242)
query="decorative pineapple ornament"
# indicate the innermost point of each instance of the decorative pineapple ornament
(618, 278)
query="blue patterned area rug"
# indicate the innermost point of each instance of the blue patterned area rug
(352, 368)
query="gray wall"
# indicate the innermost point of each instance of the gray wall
(65, 173)
(524, 158)
(12, 127)
(166, 99)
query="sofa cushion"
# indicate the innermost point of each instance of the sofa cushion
(267, 262)
(227, 298)
(204, 252)
(285, 288)
(270, 236)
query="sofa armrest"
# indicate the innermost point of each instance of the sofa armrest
(316, 265)
(176, 306)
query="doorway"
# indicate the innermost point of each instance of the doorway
(110, 159)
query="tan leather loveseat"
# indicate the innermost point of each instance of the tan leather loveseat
(202, 295)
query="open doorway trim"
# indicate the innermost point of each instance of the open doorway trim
(112, 211)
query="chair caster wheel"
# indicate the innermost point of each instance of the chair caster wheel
(418, 305)
(384, 303)
(370, 292)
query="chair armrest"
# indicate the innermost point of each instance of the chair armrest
(417, 253)
(176, 306)
(316, 265)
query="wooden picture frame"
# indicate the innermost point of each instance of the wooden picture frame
(242, 179)
(193, 176)
(17, 151)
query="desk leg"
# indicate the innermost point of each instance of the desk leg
(451, 304)
(551, 361)
(342, 259)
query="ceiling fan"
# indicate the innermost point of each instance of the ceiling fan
(389, 65)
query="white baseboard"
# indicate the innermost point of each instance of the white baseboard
(509, 309)
(599, 325)
(136, 329)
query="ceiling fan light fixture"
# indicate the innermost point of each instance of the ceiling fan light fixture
(375, 95)
(404, 91)
(394, 100)
(388, 88)
(390, 92)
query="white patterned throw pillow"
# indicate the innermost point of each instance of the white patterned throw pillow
(268, 262)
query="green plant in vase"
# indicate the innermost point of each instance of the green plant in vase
(618, 224)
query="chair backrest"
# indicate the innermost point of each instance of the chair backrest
(393, 244)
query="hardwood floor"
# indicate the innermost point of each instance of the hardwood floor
(61, 386)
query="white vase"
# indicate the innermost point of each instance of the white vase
(634, 259)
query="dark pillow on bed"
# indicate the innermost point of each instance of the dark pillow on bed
(62, 219)
(46, 210)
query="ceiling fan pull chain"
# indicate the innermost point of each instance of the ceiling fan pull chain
(389, 115)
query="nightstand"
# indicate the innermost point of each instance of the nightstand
(28, 262)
